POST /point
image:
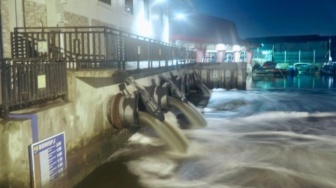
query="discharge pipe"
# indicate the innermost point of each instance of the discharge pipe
(198, 82)
(122, 110)
(151, 106)
(180, 102)
(174, 89)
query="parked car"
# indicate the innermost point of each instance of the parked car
(302, 68)
(329, 68)
(270, 69)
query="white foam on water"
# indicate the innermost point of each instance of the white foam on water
(283, 140)
(219, 156)
(139, 138)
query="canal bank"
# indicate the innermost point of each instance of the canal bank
(89, 138)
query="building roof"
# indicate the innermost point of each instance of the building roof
(203, 28)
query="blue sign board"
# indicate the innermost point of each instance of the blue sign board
(48, 161)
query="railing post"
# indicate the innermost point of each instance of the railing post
(4, 110)
(176, 55)
(148, 53)
(160, 57)
(119, 46)
(138, 56)
(123, 44)
(65, 79)
(151, 53)
(107, 45)
(166, 55)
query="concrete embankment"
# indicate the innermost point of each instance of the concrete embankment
(89, 137)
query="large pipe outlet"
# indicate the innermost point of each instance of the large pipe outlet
(175, 91)
(160, 95)
(151, 106)
(122, 110)
(194, 82)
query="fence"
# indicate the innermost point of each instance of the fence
(25, 82)
(94, 47)
(315, 56)
(37, 72)
(301, 56)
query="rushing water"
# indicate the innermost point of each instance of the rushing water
(276, 134)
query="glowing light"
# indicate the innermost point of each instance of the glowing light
(236, 48)
(180, 16)
(265, 52)
(166, 33)
(142, 26)
(220, 47)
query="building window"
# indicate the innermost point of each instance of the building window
(146, 9)
(106, 1)
(129, 6)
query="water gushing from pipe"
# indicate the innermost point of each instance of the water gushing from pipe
(194, 117)
(173, 138)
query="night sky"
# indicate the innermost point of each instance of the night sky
(261, 18)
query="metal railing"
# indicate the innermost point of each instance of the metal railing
(290, 57)
(29, 81)
(41, 56)
(94, 47)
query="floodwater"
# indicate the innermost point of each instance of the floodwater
(279, 133)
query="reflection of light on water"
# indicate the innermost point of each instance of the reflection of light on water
(298, 81)
(313, 83)
(330, 82)
(248, 82)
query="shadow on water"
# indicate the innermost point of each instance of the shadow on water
(115, 173)
(111, 174)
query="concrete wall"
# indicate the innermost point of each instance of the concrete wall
(83, 119)
(5, 15)
(89, 136)
(35, 14)
(75, 20)
(99, 13)
(223, 75)
(14, 165)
